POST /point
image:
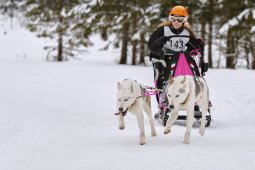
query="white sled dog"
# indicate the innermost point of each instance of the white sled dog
(131, 98)
(182, 93)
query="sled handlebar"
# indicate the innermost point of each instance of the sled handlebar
(154, 60)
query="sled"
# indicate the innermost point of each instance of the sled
(197, 116)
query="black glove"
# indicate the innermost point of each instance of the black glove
(204, 67)
(162, 40)
(200, 42)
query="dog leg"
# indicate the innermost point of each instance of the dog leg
(189, 123)
(140, 121)
(172, 118)
(203, 110)
(121, 122)
(202, 126)
(153, 130)
(147, 109)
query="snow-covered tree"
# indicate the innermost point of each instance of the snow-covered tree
(56, 20)
(9, 8)
(240, 38)
(127, 20)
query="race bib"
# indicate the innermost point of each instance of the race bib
(177, 42)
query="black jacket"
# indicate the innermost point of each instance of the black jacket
(190, 43)
(156, 49)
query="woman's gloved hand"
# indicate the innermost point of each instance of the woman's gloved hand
(200, 42)
(162, 40)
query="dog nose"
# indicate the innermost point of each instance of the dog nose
(171, 106)
(120, 109)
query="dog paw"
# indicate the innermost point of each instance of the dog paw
(122, 127)
(185, 141)
(202, 132)
(166, 131)
(186, 138)
(142, 142)
(154, 133)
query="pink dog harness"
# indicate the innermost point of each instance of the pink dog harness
(183, 68)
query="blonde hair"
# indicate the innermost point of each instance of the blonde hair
(185, 25)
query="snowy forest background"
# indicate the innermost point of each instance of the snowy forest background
(57, 104)
(228, 27)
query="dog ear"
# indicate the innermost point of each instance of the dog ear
(183, 81)
(119, 85)
(171, 79)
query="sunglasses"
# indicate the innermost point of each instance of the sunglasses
(178, 19)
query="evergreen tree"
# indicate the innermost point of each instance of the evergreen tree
(55, 20)
(238, 20)
(129, 21)
(9, 8)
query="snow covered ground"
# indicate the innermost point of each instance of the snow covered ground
(60, 116)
